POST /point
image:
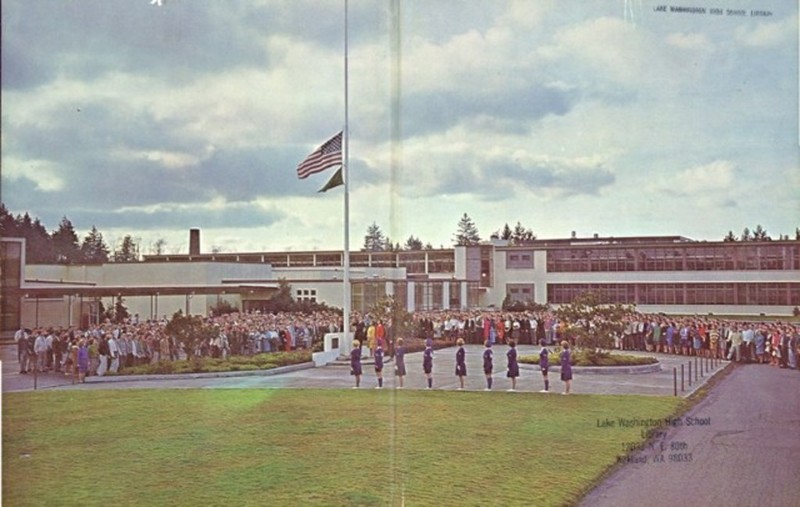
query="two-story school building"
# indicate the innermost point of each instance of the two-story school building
(669, 274)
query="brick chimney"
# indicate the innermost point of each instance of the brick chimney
(194, 241)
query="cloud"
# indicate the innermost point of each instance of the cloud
(768, 35)
(42, 173)
(715, 177)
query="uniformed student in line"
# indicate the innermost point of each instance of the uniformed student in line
(544, 365)
(399, 362)
(461, 363)
(513, 366)
(379, 362)
(566, 367)
(427, 364)
(355, 362)
(487, 363)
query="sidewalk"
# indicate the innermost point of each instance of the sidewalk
(745, 452)
(655, 383)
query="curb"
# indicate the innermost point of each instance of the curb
(221, 374)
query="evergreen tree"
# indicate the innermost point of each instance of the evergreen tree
(731, 237)
(797, 233)
(65, 243)
(759, 234)
(8, 226)
(467, 233)
(128, 251)
(413, 243)
(521, 234)
(39, 247)
(93, 249)
(746, 235)
(374, 241)
(506, 233)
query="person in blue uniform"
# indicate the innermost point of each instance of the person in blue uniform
(461, 363)
(487, 363)
(544, 365)
(427, 364)
(379, 363)
(399, 361)
(566, 367)
(355, 362)
(513, 365)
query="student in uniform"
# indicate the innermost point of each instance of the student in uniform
(355, 362)
(566, 367)
(379, 362)
(513, 365)
(427, 363)
(544, 365)
(399, 361)
(487, 363)
(461, 363)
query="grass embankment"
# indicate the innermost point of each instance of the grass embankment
(582, 357)
(311, 447)
(264, 361)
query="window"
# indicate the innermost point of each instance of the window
(519, 259)
(309, 295)
(520, 292)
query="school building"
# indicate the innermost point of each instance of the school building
(669, 274)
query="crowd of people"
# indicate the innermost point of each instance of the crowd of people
(114, 346)
(775, 343)
(109, 346)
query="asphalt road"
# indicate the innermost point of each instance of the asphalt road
(747, 454)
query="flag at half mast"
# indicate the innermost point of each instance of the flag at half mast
(326, 156)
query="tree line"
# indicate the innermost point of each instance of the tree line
(61, 246)
(758, 234)
(466, 235)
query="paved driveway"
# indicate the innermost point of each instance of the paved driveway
(658, 383)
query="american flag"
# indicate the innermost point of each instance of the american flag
(327, 155)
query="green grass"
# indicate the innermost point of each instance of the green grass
(265, 361)
(580, 357)
(311, 447)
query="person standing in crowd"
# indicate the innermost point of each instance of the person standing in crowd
(113, 353)
(21, 337)
(566, 367)
(371, 338)
(400, 362)
(102, 354)
(82, 360)
(379, 362)
(544, 365)
(487, 364)
(427, 363)
(461, 363)
(735, 339)
(355, 363)
(513, 366)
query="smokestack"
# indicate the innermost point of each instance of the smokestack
(194, 241)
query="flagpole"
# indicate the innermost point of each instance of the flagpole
(345, 347)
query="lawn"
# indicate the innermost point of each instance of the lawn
(311, 447)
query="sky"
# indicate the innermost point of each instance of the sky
(608, 117)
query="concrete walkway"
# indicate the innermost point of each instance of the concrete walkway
(748, 453)
(659, 383)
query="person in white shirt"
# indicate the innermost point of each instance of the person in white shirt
(113, 353)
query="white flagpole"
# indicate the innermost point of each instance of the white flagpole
(345, 347)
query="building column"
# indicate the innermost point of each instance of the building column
(410, 290)
(446, 295)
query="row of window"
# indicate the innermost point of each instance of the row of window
(673, 258)
(745, 294)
